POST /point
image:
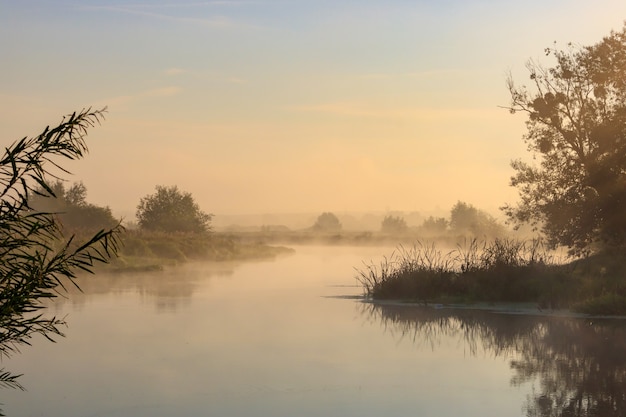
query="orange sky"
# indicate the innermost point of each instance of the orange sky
(287, 106)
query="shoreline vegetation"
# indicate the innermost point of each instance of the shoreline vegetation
(504, 274)
(494, 273)
(354, 237)
(143, 251)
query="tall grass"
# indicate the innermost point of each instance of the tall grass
(499, 270)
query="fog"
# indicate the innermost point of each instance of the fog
(221, 342)
(291, 337)
(322, 137)
(350, 221)
(261, 108)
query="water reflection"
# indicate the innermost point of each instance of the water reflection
(169, 289)
(577, 367)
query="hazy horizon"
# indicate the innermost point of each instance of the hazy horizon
(287, 107)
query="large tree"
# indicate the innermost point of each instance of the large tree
(575, 190)
(171, 210)
(37, 260)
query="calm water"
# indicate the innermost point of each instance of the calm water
(280, 338)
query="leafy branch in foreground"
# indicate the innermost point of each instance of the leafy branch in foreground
(36, 260)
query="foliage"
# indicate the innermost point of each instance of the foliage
(467, 219)
(434, 226)
(605, 304)
(70, 205)
(36, 260)
(171, 210)
(327, 222)
(393, 225)
(576, 130)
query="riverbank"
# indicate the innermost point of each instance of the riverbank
(142, 251)
(502, 271)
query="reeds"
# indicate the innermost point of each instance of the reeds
(500, 270)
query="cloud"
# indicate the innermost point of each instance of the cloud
(213, 21)
(192, 4)
(437, 73)
(360, 109)
(417, 74)
(161, 92)
(213, 77)
(159, 11)
(236, 80)
(125, 100)
(174, 71)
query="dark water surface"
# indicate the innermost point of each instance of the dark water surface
(283, 338)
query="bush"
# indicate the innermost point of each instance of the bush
(327, 222)
(171, 210)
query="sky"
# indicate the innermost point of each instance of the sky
(287, 106)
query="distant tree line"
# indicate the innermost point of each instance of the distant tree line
(394, 225)
(168, 210)
(171, 210)
(464, 220)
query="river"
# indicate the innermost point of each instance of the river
(288, 337)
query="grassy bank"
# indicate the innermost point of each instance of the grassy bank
(145, 251)
(345, 238)
(499, 271)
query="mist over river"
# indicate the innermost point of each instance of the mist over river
(290, 337)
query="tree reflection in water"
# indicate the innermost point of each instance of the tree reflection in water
(577, 366)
